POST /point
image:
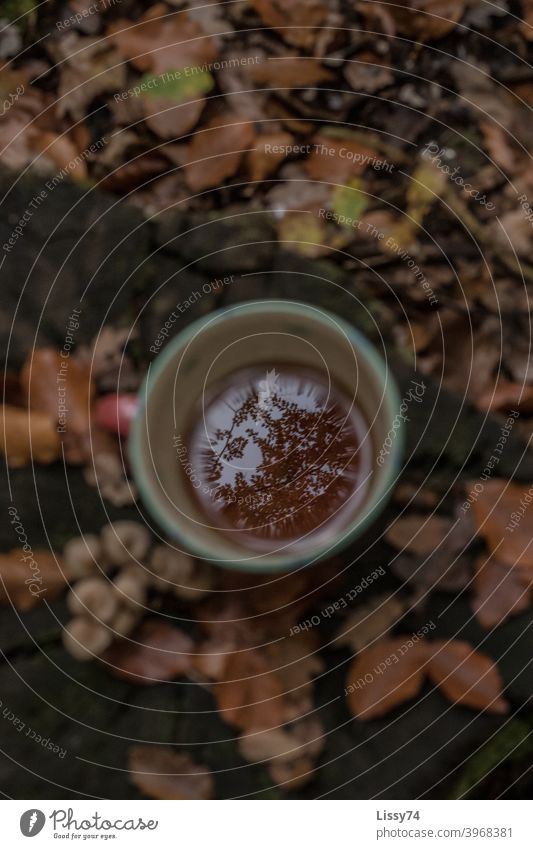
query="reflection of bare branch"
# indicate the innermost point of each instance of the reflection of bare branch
(304, 468)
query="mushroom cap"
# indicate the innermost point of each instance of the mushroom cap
(82, 556)
(86, 639)
(93, 597)
(125, 541)
(170, 567)
(125, 621)
(130, 588)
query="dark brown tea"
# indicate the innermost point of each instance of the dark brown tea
(279, 456)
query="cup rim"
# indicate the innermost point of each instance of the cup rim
(368, 512)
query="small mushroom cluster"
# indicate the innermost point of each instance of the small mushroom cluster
(113, 573)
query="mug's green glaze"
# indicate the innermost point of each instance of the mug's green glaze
(258, 332)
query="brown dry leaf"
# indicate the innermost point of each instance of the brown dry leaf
(27, 436)
(335, 160)
(27, 577)
(163, 773)
(267, 154)
(251, 696)
(370, 622)
(161, 42)
(381, 678)
(526, 25)
(500, 591)
(88, 68)
(289, 71)
(62, 151)
(426, 20)
(170, 120)
(418, 534)
(366, 72)
(499, 146)
(155, 652)
(466, 676)
(493, 511)
(215, 151)
(508, 396)
(298, 22)
(43, 374)
(516, 231)
(20, 126)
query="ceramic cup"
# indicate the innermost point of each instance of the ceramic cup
(210, 350)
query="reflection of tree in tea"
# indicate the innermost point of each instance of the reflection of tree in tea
(278, 457)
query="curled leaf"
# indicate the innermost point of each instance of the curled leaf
(27, 436)
(155, 652)
(466, 676)
(215, 152)
(384, 676)
(162, 773)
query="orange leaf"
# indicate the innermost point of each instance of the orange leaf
(26, 436)
(62, 388)
(504, 516)
(289, 72)
(500, 591)
(216, 150)
(163, 773)
(251, 695)
(269, 151)
(155, 652)
(508, 396)
(335, 160)
(29, 577)
(297, 22)
(168, 43)
(466, 676)
(384, 676)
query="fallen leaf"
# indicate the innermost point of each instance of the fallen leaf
(30, 577)
(418, 534)
(499, 145)
(466, 676)
(162, 773)
(304, 234)
(336, 160)
(501, 512)
(251, 696)
(63, 388)
(507, 396)
(267, 154)
(155, 652)
(384, 676)
(287, 19)
(349, 201)
(289, 72)
(27, 437)
(426, 20)
(63, 153)
(161, 42)
(173, 106)
(500, 591)
(426, 186)
(370, 622)
(216, 150)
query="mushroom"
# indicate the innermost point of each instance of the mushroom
(93, 596)
(86, 639)
(125, 621)
(125, 541)
(170, 567)
(82, 556)
(174, 570)
(130, 588)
